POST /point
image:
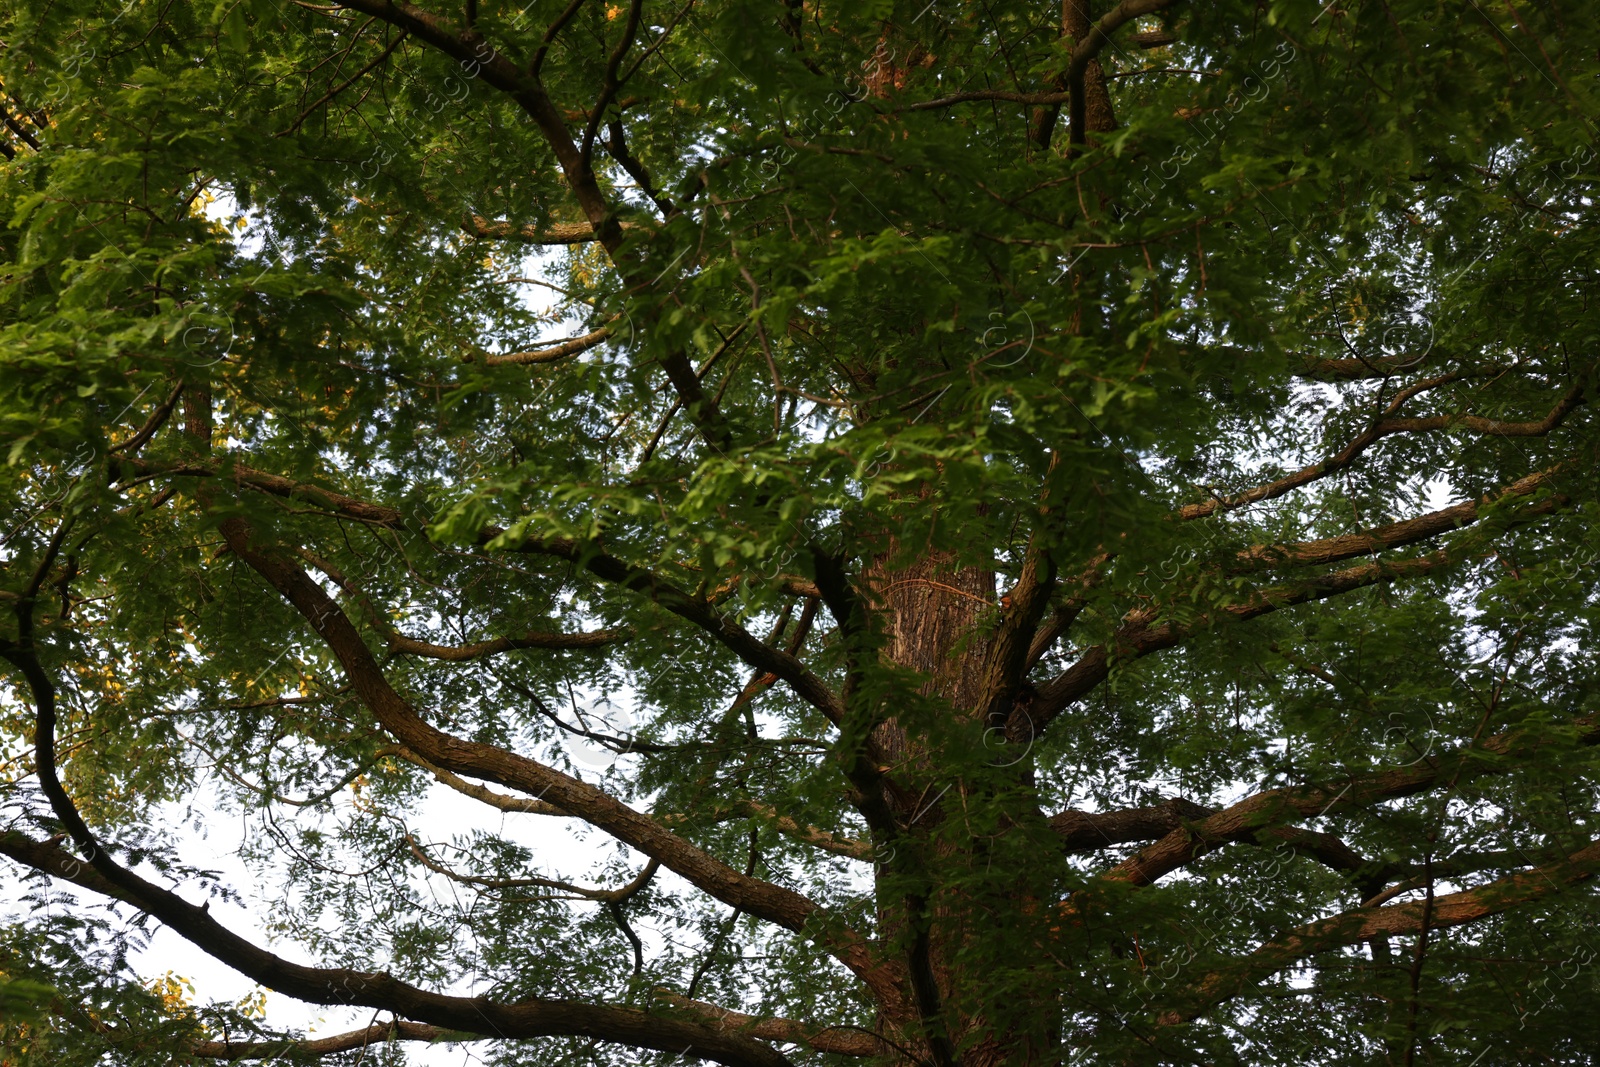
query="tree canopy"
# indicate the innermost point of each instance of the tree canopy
(1039, 534)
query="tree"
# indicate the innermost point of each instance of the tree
(1074, 529)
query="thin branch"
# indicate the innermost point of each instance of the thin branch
(1142, 635)
(20, 130)
(399, 642)
(703, 613)
(550, 34)
(603, 896)
(469, 48)
(978, 95)
(1381, 428)
(852, 847)
(156, 420)
(611, 82)
(461, 653)
(500, 801)
(388, 50)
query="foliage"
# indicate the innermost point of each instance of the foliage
(1038, 532)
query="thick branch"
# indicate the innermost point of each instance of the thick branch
(1264, 811)
(1140, 635)
(859, 755)
(336, 985)
(1067, 612)
(1365, 924)
(703, 613)
(773, 903)
(1408, 531)
(376, 1034)
(1084, 51)
(554, 233)
(784, 824)
(554, 354)
(837, 1039)
(1084, 831)
(156, 420)
(1025, 605)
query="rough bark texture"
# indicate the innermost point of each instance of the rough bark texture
(939, 618)
(1076, 18)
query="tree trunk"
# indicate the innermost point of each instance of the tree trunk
(937, 615)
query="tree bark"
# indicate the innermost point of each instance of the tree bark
(937, 615)
(1076, 18)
